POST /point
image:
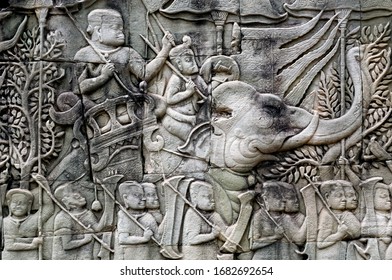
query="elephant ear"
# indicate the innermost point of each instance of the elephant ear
(198, 142)
(234, 95)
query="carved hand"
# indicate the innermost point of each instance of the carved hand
(343, 229)
(168, 40)
(37, 241)
(215, 231)
(40, 179)
(190, 86)
(108, 70)
(148, 234)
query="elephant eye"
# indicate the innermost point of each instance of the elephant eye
(272, 110)
(222, 113)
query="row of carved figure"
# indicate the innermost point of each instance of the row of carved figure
(351, 223)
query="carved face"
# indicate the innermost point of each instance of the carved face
(135, 199)
(273, 199)
(351, 198)
(186, 63)
(111, 33)
(292, 202)
(152, 201)
(382, 199)
(19, 205)
(336, 198)
(205, 199)
(74, 200)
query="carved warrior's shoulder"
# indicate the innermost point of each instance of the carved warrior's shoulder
(87, 54)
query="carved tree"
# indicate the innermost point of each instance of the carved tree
(28, 135)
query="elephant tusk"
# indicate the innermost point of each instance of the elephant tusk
(304, 136)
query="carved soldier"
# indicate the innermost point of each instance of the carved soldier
(97, 82)
(267, 234)
(293, 222)
(109, 69)
(152, 201)
(182, 98)
(200, 239)
(377, 225)
(21, 240)
(136, 226)
(72, 241)
(335, 224)
(153, 208)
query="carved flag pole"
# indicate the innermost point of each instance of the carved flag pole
(343, 16)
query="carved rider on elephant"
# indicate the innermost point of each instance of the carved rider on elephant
(110, 69)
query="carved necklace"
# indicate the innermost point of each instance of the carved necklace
(18, 222)
(107, 53)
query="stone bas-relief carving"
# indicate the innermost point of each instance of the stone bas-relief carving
(211, 131)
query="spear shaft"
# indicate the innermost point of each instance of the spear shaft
(322, 199)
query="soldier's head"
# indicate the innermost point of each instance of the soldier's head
(106, 27)
(183, 57)
(382, 197)
(150, 192)
(272, 196)
(291, 198)
(333, 193)
(70, 197)
(19, 202)
(350, 194)
(132, 194)
(202, 195)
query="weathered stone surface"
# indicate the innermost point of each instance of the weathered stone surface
(241, 129)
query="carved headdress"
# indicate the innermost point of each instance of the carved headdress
(98, 16)
(25, 192)
(180, 50)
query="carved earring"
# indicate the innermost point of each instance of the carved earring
(125, 202)
(179, 66)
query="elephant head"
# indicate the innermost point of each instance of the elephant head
(248, 127)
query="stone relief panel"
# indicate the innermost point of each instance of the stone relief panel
(230, 130)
